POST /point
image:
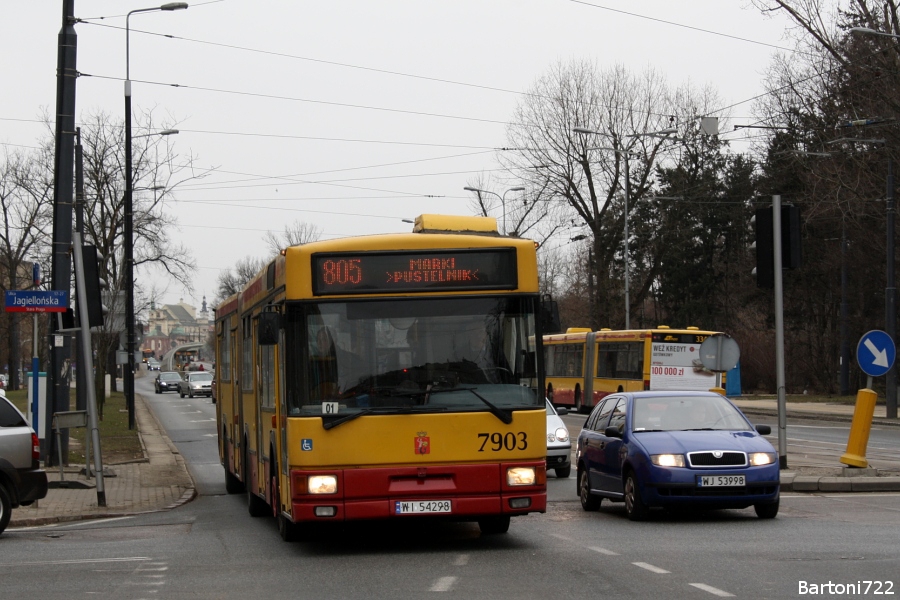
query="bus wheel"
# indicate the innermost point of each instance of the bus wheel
(233, 485)
(493, 525)
(578, 407)
(289, 531)
(256, 506)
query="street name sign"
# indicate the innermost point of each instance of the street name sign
(875, 353)
(36, 301)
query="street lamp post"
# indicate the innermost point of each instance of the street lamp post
(480, 191)
(128, 242)
(624, 153)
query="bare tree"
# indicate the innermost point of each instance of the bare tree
(233, 280)
(571, 170)
(294, 234)
(26, 192)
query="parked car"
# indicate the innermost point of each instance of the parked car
(22, 481)
(675, 449)
(559, 447)
(196, 383)
(167, 381)
(152, 364)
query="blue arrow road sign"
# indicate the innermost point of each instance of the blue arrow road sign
(875, 353)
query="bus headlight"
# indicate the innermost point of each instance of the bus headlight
(758, 459)
(322, 484)
(520, 476)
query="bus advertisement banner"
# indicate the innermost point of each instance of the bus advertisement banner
(677, 366)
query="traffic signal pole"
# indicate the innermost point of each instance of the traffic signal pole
(779, 332)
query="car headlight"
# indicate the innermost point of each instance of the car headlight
(322, 484)
(562, 434)
(667, 460)
(758, 459)
(520, 476)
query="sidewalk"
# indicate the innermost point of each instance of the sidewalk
(159, 481)
(817, 467)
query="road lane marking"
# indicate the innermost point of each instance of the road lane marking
(650, 567)
(443, 584)
(562, 537)
(712, 590)
(461, 560)
(603, 551)
(79, 561)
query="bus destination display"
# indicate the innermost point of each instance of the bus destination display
(414, 271)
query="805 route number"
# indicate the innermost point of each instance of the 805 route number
(495, 442)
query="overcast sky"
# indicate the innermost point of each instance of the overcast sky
(353, 114)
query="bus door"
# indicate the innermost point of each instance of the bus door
(590, 358)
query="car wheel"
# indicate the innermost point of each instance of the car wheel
(156, 390)
(180, 394)
(564, 472)
(634, 506)
(191, 394)
(589, 501)
(5, 508)
(493, 525)
(766, 511)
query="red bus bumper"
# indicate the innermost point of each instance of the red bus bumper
(374, 493)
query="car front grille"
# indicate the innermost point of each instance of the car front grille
(717, 458)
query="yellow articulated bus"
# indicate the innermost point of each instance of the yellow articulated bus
(387, 377)
(583, 366)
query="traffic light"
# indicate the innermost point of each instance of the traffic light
(790, 243)
(92, 286)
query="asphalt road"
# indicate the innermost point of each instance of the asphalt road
(211, 547)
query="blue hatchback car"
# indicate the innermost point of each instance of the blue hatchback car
(675, 449)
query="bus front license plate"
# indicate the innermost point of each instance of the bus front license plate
(721, 481)
(421, 506)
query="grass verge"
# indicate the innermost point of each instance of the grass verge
(117, 443)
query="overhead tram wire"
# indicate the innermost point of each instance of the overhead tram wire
(385, 71)
(256, 177)
(303, 100)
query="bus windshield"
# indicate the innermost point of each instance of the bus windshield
(410, 355)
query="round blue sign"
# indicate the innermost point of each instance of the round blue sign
(875, 353)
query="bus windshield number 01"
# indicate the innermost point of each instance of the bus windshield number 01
(499, 441)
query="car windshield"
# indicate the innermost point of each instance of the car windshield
(440, 354)
(200, 376)
(686, 413)
(170, 376)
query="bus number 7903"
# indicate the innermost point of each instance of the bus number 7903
(500, 441)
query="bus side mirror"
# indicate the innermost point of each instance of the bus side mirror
(549, 315)
(269, 324)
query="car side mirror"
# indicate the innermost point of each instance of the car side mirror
(763, 429)
(612, 432)
(562, 411)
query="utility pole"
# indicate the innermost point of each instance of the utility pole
(890, 297)
(61, 264)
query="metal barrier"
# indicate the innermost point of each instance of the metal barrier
(66, 420)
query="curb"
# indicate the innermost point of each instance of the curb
(795, 414)
(186, 497)
(832, 484)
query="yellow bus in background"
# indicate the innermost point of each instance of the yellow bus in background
(583, 366)
(387, 377)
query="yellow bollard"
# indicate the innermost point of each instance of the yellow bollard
(855, 456)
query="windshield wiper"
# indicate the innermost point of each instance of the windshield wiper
(330, 422)
(503, 415)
